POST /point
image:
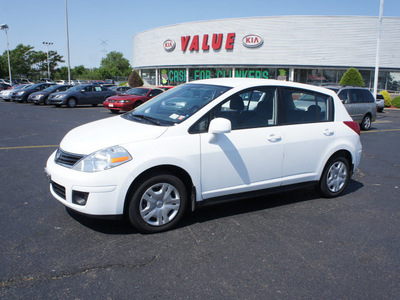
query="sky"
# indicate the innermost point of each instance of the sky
(97, 27)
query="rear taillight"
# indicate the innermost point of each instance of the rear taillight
(353, 125)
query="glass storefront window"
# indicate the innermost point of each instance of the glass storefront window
(271, 73)
(149, 77)
(393, 83)
(206, 73)
(172, 77)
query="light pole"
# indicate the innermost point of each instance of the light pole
(378, 42)
(48, 62)
(5, 28)
(69, 63)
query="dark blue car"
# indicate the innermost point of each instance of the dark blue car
(81, 94)
(22, 95)
(43, 96)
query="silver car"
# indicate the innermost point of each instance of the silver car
(360, 104)
(380, 102)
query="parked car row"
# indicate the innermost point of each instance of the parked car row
(114, 98)
(359, 102)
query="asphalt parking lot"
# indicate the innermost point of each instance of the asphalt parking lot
(295, 245)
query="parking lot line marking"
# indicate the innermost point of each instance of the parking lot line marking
(28, 147)
(383, 130)
(383, 121)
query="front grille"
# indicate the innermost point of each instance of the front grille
(67, 159)
(58, 189)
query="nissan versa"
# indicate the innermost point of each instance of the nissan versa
(203, 142)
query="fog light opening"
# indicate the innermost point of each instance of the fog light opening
(79, 198)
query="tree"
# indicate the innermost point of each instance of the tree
(134, 79)
(352, 77)
(25, 62)
(114, 64)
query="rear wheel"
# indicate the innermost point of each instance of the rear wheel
(158, 204)
(366, 122)
(335, 177)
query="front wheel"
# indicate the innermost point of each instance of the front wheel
(71, 103)
(158, 204)
(366, 123)
(335, 177)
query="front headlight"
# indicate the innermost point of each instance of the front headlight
(20, 93)
(123, 101)
(103, 160)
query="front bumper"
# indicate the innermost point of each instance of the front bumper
(120, 106)
(57, 101)
(105, 191)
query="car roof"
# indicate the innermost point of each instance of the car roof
(242, 83)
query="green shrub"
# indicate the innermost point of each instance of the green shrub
(352, 77)
(388, 100)
(124, 83)
(396, 102)
(134, 79)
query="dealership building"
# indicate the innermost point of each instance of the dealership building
(308, 49)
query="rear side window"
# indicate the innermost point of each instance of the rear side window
(303, 106)
(368, 97)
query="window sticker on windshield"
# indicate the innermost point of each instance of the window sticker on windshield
(174, 116)
(180, 118)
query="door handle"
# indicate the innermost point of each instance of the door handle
(328, 132)
(274, 138)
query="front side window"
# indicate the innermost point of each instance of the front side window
(303, 106)
(252, 108)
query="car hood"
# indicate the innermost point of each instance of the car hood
(36, 93)
(108, 132)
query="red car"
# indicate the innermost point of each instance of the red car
(133, 98)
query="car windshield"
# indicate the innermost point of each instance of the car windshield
(176, 105)
(137, 91)
(76, 88)
(21, 87)
(51, 88)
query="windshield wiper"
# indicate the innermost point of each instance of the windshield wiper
(148, 119)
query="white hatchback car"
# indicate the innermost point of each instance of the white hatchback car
(203, 142)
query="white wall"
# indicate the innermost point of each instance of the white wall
(337, 41)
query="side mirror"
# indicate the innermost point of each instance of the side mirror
(218, 126)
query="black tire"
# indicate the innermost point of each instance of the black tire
(71, 103)
(94, 105)
(57, 105)
(46, 101)
(136, 104)
(114, 111)
(366, 122)
(158, 203)
(335, 177)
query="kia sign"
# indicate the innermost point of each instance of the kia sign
(252, 41)
(169, 45)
